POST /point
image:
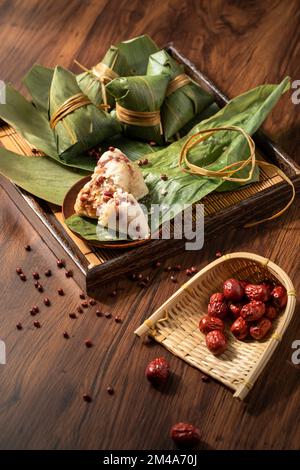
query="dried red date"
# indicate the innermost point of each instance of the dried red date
(216, 342)
(279, 296)
(157, 371)
(233, 290)
(260, 329)
(240, 328)
(271, 312)
(253, 311)
(235, 309)
(260, 292)
(185, 435)
(208, 324)
(217, 309)
(217, 297)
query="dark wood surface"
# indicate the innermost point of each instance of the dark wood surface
(239, 45)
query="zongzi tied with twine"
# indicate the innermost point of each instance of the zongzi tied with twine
(77, 124)
(138, 102)
(184, 98)
(137, 51)
(92, 82)
(227, 173)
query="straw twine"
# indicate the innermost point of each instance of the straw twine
(68, 107)
(138, 118)
(178, 82)
(228, 171)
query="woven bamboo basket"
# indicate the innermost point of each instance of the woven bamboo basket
(175, 323)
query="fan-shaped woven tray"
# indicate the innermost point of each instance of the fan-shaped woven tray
(175, 323)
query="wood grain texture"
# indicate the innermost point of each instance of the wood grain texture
(239, 45)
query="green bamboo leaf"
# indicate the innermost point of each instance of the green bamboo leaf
(143, 94)
(82, 129)
(181, 106)
(40, 176)
(38, 81)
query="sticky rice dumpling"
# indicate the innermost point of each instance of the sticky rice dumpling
(138, 102)
(137, 52)
(92, 82)
(123, 214)
(184, 98)
(114, 170)
(77, 124)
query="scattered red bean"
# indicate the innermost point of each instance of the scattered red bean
(158, 371)
(35, 275)
(66, 335)
(164, 177)
(60, 291)
(139, 277)
(113, 293)
(142, 284)
(79, 310)
(157, 264)
(47, 302)
(84, 304)
(108, 315)
(99, 313)
(48, 273)
(88, 343)
(173, 279)
(118, 319)
(205, 378)
(36, 284)
(82, 295)
(185, 435)
(111, 149)
(36, 308)
(152, 143)
(92, 302)
(60, 263)
(188, 272)
(140, 163)
(19, 271)
(27, 247)
(72, 315)
(37, 324)
(218, 254)
(23, 277)
(110, 390)
(132, 276)
(69, 273)
(177, 267)
(34, 151)
(40, 288)
(87, 398)
(193, 269)
(19, 326)
(145, 161)
(168, 268)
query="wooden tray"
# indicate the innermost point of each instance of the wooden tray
(95, 266)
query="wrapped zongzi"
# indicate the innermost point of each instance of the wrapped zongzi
(92, 82)
(184, 98)
(137, 51)
(77, 124)
(138, 102)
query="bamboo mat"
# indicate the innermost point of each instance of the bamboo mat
(213, 203)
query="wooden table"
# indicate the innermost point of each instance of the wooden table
(239, 45)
